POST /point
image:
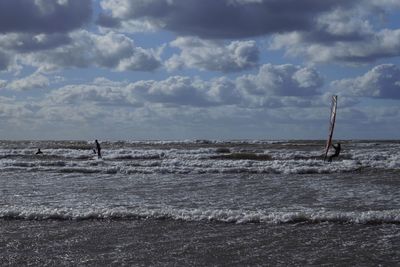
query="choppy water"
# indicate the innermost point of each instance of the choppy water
(199, 203)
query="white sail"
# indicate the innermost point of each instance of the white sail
(331, 125)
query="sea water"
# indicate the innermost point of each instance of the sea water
(199, 202)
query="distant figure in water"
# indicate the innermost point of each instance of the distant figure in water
(337, 152)
(38, 152)
(98, 148)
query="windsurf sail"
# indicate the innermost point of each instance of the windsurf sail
(331, 125)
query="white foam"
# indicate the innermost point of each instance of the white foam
(226, 216)
(200, 159)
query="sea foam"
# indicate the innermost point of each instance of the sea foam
(222, 216)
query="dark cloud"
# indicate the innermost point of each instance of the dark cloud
(107, 21)
(43, 16)
(224, 18)
(329, 38)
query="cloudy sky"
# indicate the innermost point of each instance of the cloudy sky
(198, 69)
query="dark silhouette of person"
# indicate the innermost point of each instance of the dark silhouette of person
(38, 152)
(98, 148)
(337, 152)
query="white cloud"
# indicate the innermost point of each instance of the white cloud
(282, 80)
(101, 92)
(274, 86)
(224, 91)
(382, 81)
(271, 87)
(184, 107)
(86, 49)
(33, 81)
(213, 55)
(383, 44)
(385, 3)
(342, 35)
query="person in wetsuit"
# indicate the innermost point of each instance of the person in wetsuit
(38, 152)
(98, 148)
(337, 152)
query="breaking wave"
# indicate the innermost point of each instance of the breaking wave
(222, 216)
(198, 156)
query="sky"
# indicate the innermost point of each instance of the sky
(198, 69)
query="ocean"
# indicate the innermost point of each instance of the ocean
(199, 203)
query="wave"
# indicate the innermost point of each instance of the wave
(158, 168)
(158, 164)
(191, 215)
(138, 157)
(212, 159)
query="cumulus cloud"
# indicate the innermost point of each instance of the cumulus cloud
(173, 90)
(321, 31)
(382, 81)
(213, 55)
(168, 105)
(274, 86)
(383, 44)
(43, 16)
(279, 86)
(47, 34)
(118, 51)
(282, 80)
(221, 19)
(86, 49)
(101, 91)
(271, 87)
(177, 90)
(224, 91)
(34, 81)
(342, 36)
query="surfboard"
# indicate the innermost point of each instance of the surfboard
(332, 121)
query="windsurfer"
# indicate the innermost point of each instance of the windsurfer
(98, 148)
(337, 152)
